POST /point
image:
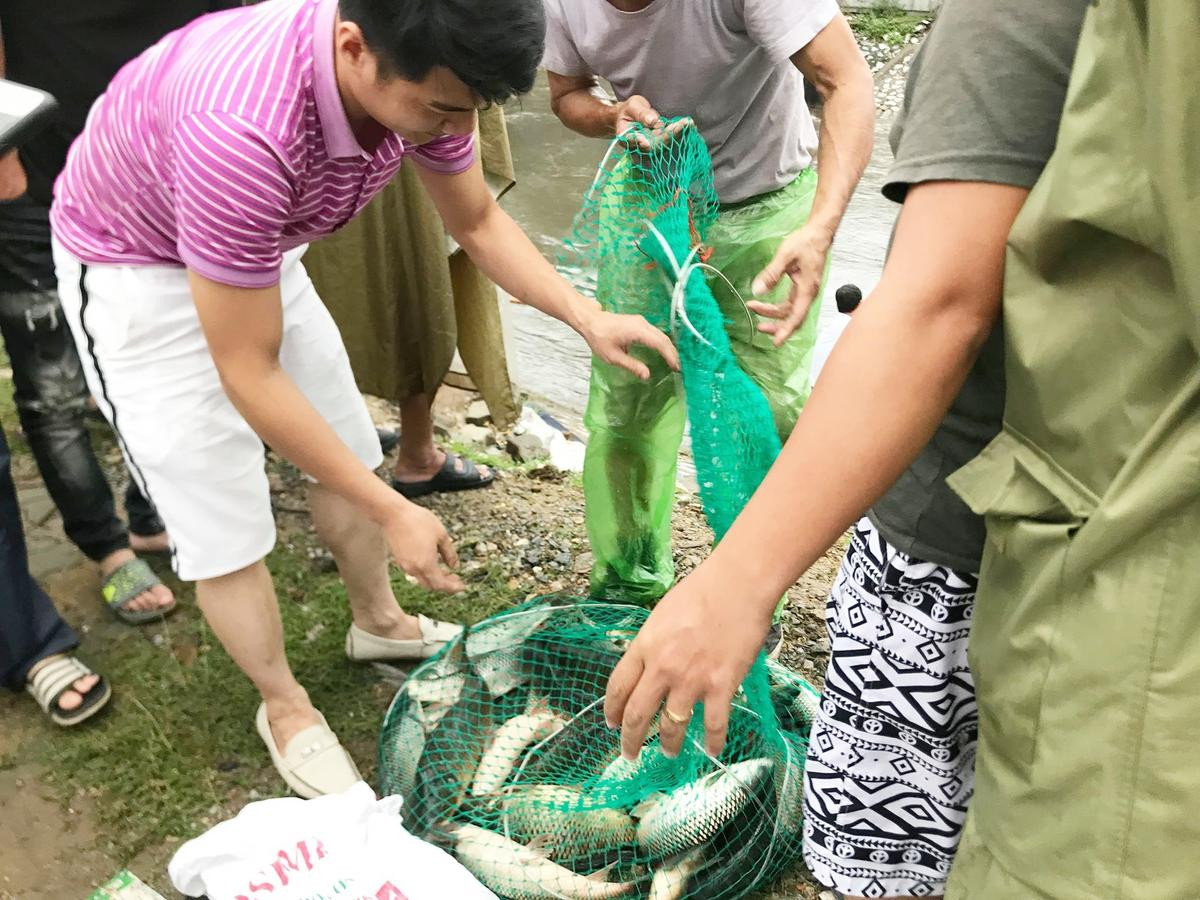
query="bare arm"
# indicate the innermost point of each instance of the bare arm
(503, 252)
(898, 367)
(834, 65)
(244, 330)
(582, 105)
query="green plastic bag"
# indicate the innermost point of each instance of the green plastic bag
(634, 432)
(744, 239)
(634, 427)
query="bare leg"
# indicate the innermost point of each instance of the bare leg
(243, 613)
(419, 458)
(361, 552)
(149, 543)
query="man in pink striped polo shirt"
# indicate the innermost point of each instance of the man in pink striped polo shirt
(179, 222)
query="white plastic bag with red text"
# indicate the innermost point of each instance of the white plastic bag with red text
(349, 846)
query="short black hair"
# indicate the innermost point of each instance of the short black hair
(493, 46)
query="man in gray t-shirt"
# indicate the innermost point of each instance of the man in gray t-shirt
(736, 69)
(917, 381)
(891, 760)
(726, 65)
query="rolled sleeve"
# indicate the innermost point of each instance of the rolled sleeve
(955, 125)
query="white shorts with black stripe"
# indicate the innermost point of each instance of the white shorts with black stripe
(147, 364)
(892, 753)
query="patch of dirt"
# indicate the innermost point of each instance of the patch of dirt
(46, 850)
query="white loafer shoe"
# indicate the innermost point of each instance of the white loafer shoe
(314, 763)
(362, 646)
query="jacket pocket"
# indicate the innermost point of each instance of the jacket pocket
(1032, 508)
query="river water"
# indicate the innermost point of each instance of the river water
(555, 167)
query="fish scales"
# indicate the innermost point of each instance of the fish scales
(694, 813)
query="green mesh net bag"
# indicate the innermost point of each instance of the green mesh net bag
(499, 747)
(642, 228)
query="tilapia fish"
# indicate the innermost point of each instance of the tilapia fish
(398, 761)
(692, 814)
(622, 769)
(738, 855)
(493, 646)
(432, 698)
(509, 742)
(789, 784)
(505, 631)
(436, 685)
(520, 873)
(570, 676)
(565, 822)
(806, 705)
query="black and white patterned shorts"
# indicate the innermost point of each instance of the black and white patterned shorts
(891, 757)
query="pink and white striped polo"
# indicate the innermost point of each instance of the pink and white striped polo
(225, 145)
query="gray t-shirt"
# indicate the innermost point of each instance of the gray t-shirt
(983, 102)
(725, 63)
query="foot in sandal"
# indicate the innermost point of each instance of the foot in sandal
(132, 591)
(441, 472)
(67, 690)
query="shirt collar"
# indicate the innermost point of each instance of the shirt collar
(340, 142)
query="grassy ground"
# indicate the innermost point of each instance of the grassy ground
(885, 22)
(178, 743)
(176, 750)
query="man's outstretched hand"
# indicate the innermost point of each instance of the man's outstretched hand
(696, 646)
(801, 257)
(422, 547)
(610, 336)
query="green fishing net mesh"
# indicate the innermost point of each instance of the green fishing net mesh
(499, 745)
(500, 750)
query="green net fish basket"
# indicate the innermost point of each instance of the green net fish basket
(500, 750)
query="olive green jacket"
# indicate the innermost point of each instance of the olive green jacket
(1086, 640)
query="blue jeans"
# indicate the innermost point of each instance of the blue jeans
(30, 627)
